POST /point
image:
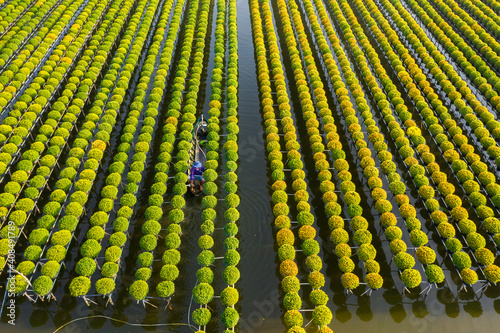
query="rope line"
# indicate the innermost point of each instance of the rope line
(124, 322)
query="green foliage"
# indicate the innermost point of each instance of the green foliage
(112, 254)
(492, 225)
(374, 280)
(476, 240)
(90, 248)
(229, 296)
(318, 297)
(231, 275)
(58, 196)
(96, 233)
(148, 242)
(461, 260)
(350, 281)
(61, 237)
(290, 284)
(20, 284)
(153, 213)
(343, 250)
(231, 257)
(25, 204)
(467, 226)
(26, 267)
(139, 290)
(151, 228)
(56, 253)
(79, 197)
(469, 276)
(201, 316)
(316, 280)
(346, 265)
(176, 215)
(165, 288)
(492, 273)
(484, 256)
(79, 286)
(231, 243)
(418, 238)
(50, 269)
(230, 317)
(172, 241)
(32, 252)
(42, 285)
(205, 242)
(172, 257)
(169, 272)
(426, 255)
(205, 275)
(52, 208)
(118, 239)
(230, 229)
(310, 247)
(6, 199)
(39, 236)
(404, 260)
(203, 293)
(362, 237)
(145, 259)
(109, 269)
(322, 315)
(286, 252)
(397, 246)
(85, 267)
(293, 318)
(339, 236)
(434, 273)
(393, 232)
(411, 278)
(453, 245)
(99, 218)
(105, 286)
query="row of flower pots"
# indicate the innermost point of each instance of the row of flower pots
(47, 164)
(130, 163)
(359, 225)
(404, 261)
(483, 13)
(18, 51)
(445, 189)
(285, 237)
(304, 69)
(23, 119)
(494, 5)
(469, 27)
(165, 41)
(473, 65)
(21, 20)
(203, 292)
(476, 120)
(230, 296)
(36, 67)
(60, 122)
(474, 240)
(171, 256)
(425, 254)
(99, 124)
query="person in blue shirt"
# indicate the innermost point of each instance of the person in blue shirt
(197, 174)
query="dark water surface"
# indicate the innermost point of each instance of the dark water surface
(386, 310)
